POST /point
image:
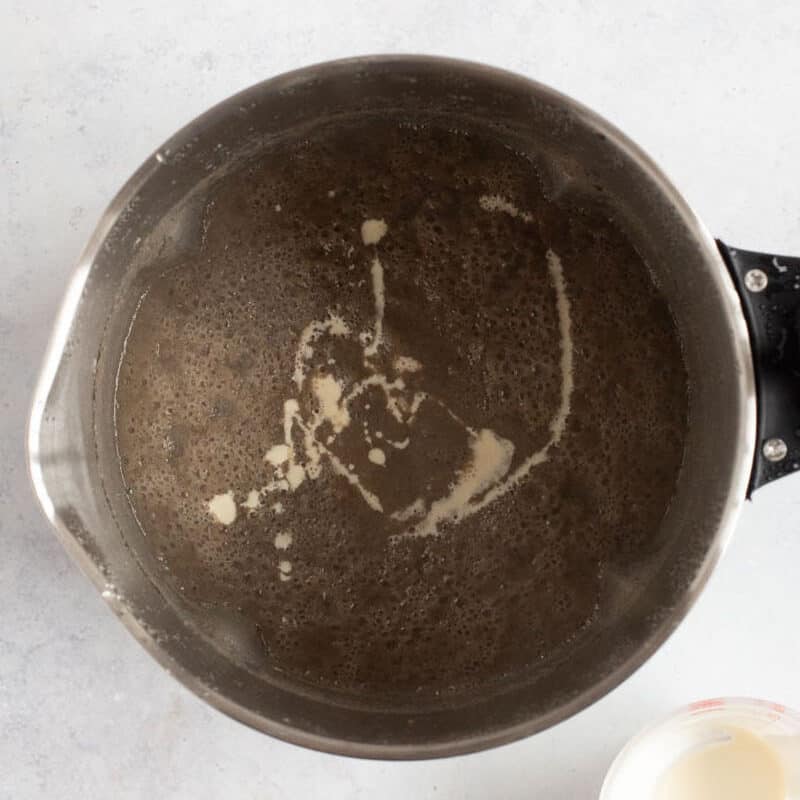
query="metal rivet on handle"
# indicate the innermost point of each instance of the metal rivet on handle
(756, 280)
(774, 449)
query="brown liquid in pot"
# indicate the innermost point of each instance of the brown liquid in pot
(364, 569)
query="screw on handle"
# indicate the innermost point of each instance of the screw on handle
(769, 289)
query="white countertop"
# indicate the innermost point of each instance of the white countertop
(88, 90)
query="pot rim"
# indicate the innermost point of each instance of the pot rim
(273, 726)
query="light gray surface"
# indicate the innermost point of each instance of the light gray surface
(88, 90)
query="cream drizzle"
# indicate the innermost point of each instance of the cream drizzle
(495, 202)
(482, 480)
(223, 507)
(379, 291)
(447, 508)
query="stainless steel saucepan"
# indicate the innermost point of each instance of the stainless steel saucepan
(736, 313)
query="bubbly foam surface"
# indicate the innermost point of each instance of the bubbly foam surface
(450, 355)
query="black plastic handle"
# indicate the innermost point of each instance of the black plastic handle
(769, 288)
